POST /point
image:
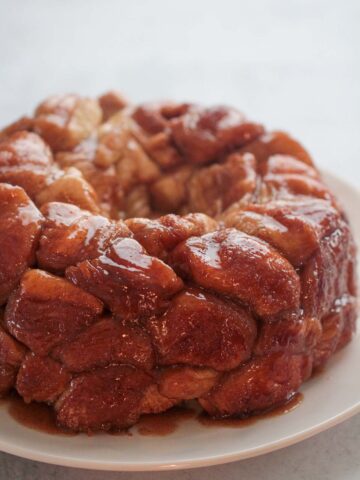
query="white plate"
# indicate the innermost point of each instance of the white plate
(329, 399)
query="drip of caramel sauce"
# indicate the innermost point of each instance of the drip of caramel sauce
(41, 417)
(283, 409)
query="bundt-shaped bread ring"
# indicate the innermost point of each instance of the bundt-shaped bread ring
(161, 253)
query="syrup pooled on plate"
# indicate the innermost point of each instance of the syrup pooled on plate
(37, 416)
(41, 417)
(162, 424)
(288, 407)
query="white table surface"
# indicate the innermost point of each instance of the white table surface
(292, 64)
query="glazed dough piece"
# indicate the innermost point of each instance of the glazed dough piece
(71, 235)
(273, 143)
(41, 379)
(20, 227)
(294, 227)
(262, 383)
(204, 134)
(46, 310)
(11, 355)
(160, 236)
(111, 102)
(107, 341)
(213, 189)
(104, 399)
(201, 330)
(130, 282)
(152, 129)
(26, 161)
(185, 382)
(72, 188)
(63, 121)
(243, 267)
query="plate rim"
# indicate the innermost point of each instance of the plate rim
(204, 461)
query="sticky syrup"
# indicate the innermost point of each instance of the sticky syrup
(41, 417)
(289, 406)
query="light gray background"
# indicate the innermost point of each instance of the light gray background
(291, 64)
